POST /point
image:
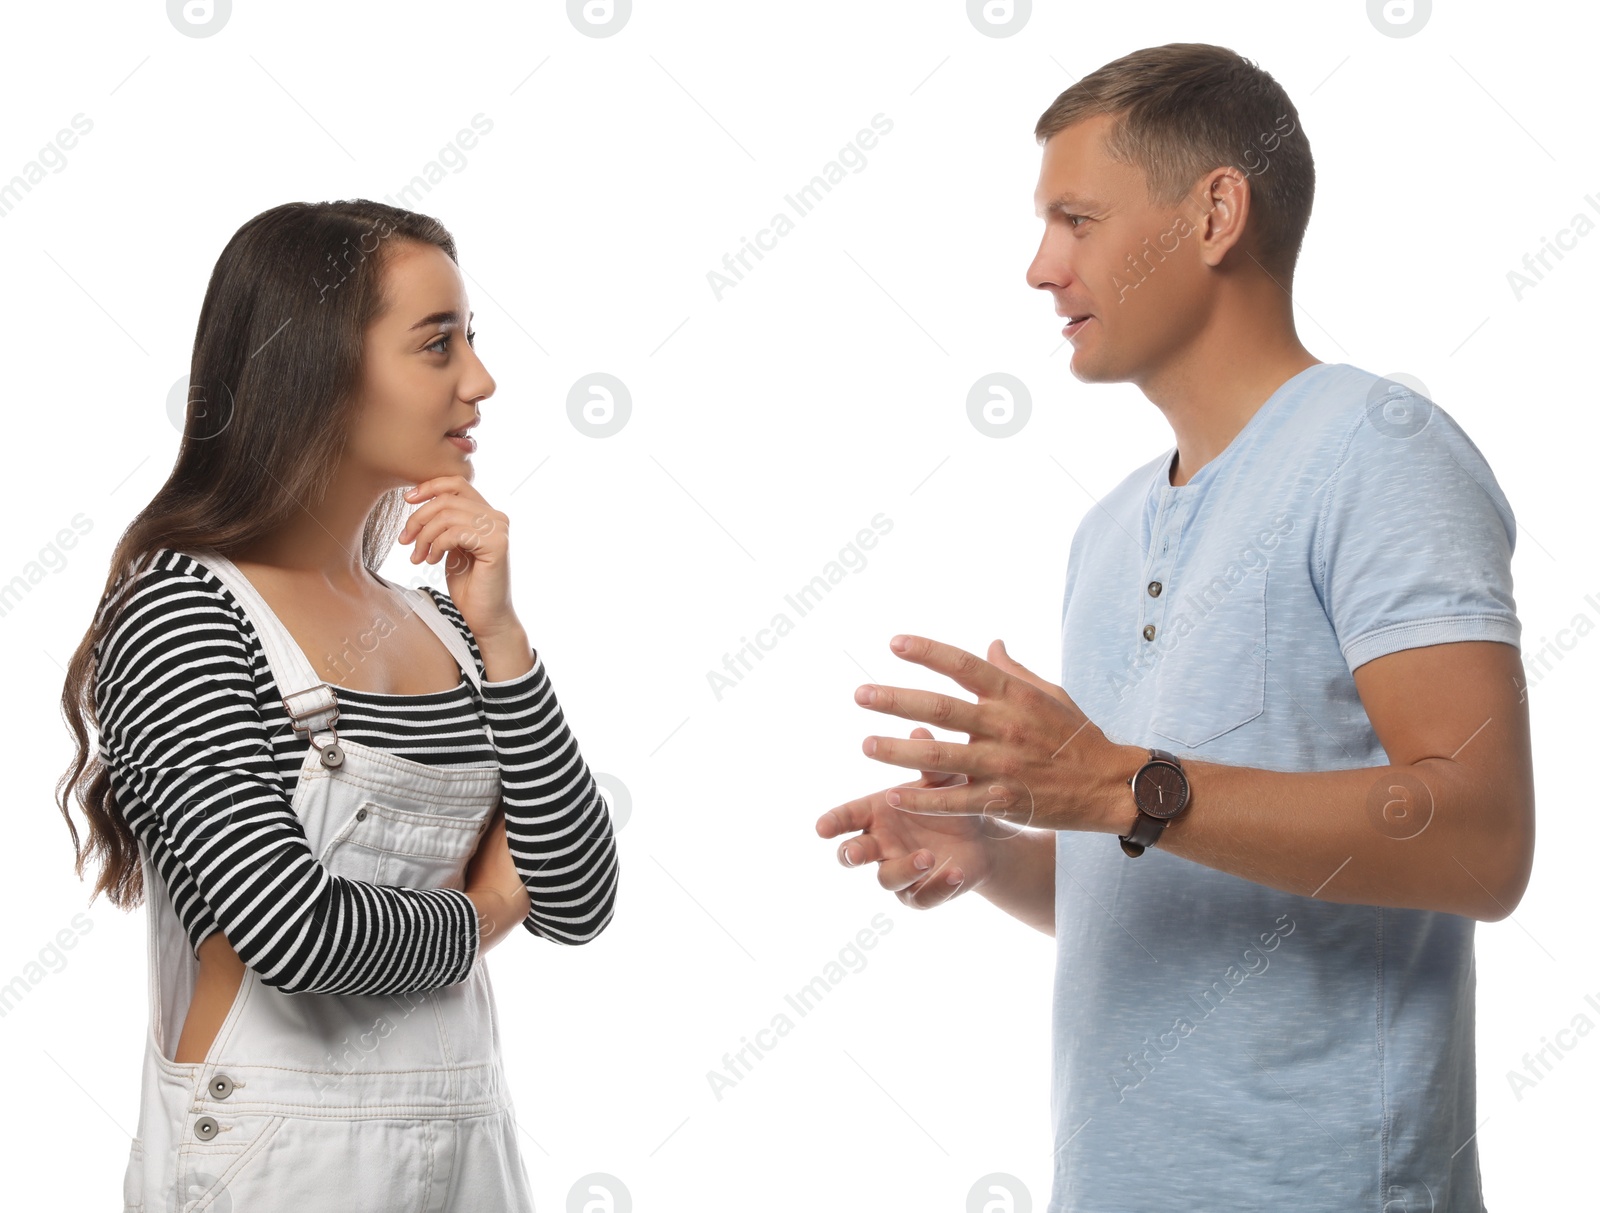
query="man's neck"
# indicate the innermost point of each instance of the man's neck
(1207, 416)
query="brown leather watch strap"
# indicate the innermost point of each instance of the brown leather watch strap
(1144, 834)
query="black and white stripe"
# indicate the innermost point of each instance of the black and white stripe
(204, 763)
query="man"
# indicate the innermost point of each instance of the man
(1296, 628)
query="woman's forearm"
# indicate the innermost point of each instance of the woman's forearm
(506, 655)
(494, 886)
(499, 912)
(558, 823)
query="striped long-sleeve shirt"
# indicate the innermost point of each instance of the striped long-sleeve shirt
(189, 715)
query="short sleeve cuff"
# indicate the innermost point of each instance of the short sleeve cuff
(1422, 632)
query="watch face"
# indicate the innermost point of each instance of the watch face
(1161, 790)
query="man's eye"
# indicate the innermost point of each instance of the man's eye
(1070, 218)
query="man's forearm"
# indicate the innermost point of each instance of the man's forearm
(1022, 878)
(1428, 835)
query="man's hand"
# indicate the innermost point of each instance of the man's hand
(1033, 757)
(925, 860)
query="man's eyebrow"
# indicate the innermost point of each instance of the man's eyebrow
(434, 318)
(1068, 201)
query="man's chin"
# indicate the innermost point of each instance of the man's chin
(1088, 367)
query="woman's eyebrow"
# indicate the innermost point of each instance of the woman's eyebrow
(434, 318)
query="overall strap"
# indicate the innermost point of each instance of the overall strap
(310, 702)
(428, 611)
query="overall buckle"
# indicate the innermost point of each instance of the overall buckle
(330, 753)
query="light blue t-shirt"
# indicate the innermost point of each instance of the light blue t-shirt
(1220, 1044)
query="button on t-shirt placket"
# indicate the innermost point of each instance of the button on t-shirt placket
(1158, 570)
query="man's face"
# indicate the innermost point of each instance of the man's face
(1097, 217)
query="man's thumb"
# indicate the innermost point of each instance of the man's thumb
(1005, 661)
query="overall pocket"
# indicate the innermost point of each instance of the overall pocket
(209, 1172)
(133, 1179)
(213, 1003)
(384, 845)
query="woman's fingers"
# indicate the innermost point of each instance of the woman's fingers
(439, 536)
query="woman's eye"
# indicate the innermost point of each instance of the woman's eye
(1070, 218)
(445, 338)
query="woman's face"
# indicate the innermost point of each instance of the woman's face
(420, 375)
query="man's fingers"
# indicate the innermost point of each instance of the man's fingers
(970, 671)
(984, 799)
(842, 819)
(909, 703)
(943, 757)
(935, 890)
(916, 885)
(920, 887)
(854, 852)
(857, 814)
(902, 873)
(933, 779)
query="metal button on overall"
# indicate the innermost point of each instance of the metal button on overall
(221, 1086)
(1149, 631)
(1154, 588)
(205, 1128)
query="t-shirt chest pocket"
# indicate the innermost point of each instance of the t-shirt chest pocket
(382, 844)
(1211, 677)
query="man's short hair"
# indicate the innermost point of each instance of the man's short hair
(1187, 108)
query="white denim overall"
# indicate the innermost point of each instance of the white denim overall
(337, 1102)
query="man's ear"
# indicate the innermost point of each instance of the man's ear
(1222, 226)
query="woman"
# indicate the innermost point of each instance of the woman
(335, 816)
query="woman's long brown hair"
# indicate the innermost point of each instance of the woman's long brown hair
(272, 388)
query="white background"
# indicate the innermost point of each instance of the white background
(767, 429)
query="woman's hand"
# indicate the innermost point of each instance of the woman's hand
(494, 885)
(454, 519)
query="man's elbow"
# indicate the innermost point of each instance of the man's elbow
(1516, 868)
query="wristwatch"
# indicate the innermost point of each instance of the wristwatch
(1160, 793)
